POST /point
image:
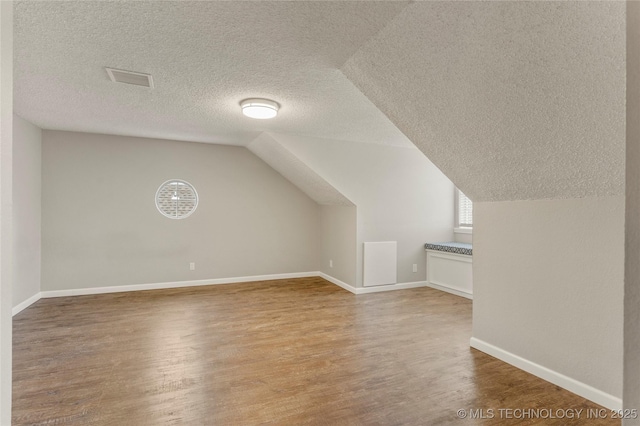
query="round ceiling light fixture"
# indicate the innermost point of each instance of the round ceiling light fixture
(261, 109)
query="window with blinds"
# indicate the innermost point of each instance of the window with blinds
(464, 211)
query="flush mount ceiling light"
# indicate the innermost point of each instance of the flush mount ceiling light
(259, 108)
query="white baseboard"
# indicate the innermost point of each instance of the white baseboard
(579, 388)
(216, 281)
(24, 305)
(400, 286)
(338, 282)
(450, 290)
(376, 289)
(174, 284)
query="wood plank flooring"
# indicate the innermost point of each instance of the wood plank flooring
(285, 352)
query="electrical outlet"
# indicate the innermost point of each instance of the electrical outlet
(331, 264)
(192, 266)
(415, 267)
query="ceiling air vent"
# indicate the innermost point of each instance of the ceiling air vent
(130, 77)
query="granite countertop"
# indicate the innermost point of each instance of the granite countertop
(451, 247)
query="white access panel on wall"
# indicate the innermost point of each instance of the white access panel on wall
(380, 263)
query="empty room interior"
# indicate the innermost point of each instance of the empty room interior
(267, 212)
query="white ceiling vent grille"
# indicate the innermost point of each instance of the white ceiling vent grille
(176, 199)
(130, 77)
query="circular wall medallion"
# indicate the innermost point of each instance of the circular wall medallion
(176, 199)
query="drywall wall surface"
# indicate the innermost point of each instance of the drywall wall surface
(338, 241)
(548, 284)
(27, 195)
(631, 394)
(6, 246)
(100, 225)
(463, 238)
(513, 100)
(400, 195)
(297, 172)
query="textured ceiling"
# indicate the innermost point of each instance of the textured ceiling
(296, 171)
(205, 57)
(511, 100)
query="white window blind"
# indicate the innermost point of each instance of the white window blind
(464, 210)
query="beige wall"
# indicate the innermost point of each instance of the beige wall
(338, 242)
(548, 284)
(464, 238)
(100, 226)
(26, 209)
(632, 243)
(400, 195)
(6, 246)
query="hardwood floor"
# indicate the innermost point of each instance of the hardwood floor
(286, 352)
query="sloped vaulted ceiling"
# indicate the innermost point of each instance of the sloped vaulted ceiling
(205, 57)
(297, 171)
(511, 100)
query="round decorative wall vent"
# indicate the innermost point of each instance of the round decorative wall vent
(176, 199)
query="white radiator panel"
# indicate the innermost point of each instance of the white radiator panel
(380, 263)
